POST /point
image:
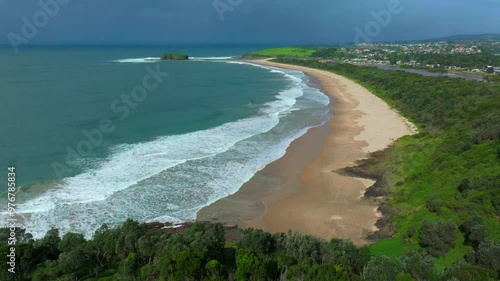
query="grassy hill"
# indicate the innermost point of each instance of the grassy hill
(299, 52)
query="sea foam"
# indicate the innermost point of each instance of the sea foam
(170, 178)
(138, 60)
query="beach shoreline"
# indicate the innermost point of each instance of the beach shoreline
(300, 191)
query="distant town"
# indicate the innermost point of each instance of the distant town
(469, 56)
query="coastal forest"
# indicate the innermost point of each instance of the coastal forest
(439, 192)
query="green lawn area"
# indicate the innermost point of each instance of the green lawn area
(299, 52)
(392, 247)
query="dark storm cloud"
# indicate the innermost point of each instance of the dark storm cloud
(245, 21)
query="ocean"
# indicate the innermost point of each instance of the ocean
(102, 134)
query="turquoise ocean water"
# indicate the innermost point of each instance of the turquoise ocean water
(194, 136)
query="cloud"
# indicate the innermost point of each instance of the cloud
(258, 21)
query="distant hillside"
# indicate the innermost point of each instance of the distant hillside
(461, 37)
(470, 37)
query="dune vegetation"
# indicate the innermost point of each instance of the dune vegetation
(438, 181)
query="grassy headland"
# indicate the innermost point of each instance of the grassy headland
(299, 52)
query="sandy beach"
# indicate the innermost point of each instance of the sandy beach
(300, 191)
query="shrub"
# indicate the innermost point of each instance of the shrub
(249, 267)
(474, 230)
(381, 268)
(437, 238)
(465, 186)
(434, 206)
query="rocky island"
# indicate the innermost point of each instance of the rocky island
(169, 56)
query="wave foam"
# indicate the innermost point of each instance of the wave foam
(211, 58)
(138, 60)
(172, 177)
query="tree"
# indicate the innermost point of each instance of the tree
(127, 236)
(382, 268)
(258, 242)
(71, 241)
(437, 238)
(301, 247)
(100, 249)
(48, 270)
(48, 246)
(421, 267)
(147, 245)
(249, 267)
(74, 263)
(466, 272)
(128, 268)
(434, 206)
(474, 230)
(148, 272)
(306, 270)
(214, 269)
(488, 255)
(347, 256)
(218, 235)
(465, 186)
(209, 245)
(188, 266)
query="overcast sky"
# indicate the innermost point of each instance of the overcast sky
(250, 21)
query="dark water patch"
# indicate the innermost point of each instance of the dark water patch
(424, 72)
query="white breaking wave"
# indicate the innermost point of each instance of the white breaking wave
(172, 177)
(157, 59)
(138, 60)
(211, 58)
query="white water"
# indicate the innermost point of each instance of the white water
(172, 177)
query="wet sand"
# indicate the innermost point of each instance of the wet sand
(300, 191)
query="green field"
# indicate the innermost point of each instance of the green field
(298, 52)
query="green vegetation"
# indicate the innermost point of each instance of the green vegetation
(135, 251)
(492, 78)
(139, 252)
(438, 238)
(448, 172)
(430, 69)
(441, 212)
(327, 53)
(458, 60)
(169, 56)
(298, 52)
